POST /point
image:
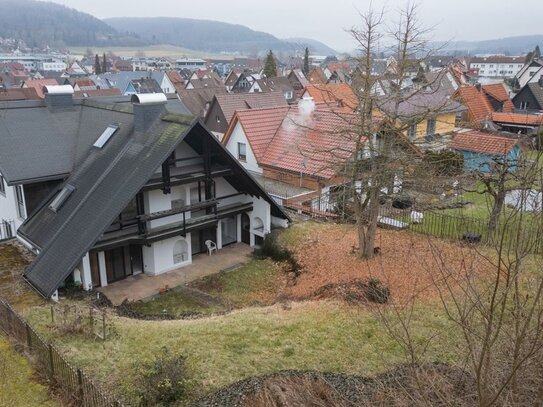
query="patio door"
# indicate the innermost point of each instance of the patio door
(136, 259)
(199, 237)
(117, 264)
(229, 230)
(95, 269)
(245, 229)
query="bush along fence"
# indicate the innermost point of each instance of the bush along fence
(72, 383)
(468, 229)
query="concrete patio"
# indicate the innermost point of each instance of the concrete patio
(141, 286)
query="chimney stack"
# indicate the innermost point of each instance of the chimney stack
(148, 107)
(59, 97)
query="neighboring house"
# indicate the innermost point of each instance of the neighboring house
(283, 85)
(481, 150)
(224, 106)
(317, 77)
(530, 97)
(232, 78)
(192, 64)
(76, 70)
(298, 80)
(198, 101)
(245, 82)
(135, 189)
(13, 74)
(336, 96)
(497, 66)
(424, 114)
(489, 107)
(127, 82)
(39, 84)
(482, 100)
(530, 72)
(296, 152)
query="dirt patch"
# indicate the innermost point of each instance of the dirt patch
(442, 385)
(407, 264)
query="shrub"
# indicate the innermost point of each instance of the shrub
(377, 292)
(445, 163)
(164, 380)
(271, 248)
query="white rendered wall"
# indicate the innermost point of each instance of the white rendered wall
(158, 258)
(8, 206)
(238, 136)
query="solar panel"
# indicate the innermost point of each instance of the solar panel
(106, 135)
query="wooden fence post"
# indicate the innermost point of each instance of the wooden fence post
(52, 315)
(80, 384)
(28, 337)
(51, 363)
(104, 325)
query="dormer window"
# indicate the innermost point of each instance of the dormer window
(61, 198)
(106, 135)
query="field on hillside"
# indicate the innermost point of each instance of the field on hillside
(168, 51)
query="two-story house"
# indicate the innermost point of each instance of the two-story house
(130, 189)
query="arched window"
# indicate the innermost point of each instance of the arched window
(258, 225)
(180, 251)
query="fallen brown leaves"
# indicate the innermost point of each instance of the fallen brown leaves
(408, 264)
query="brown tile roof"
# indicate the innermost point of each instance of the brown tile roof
(333, 94)
(231, 102)
(11, 94)
(483, 143)
(90, 93)
(317, 77)
(38, 85)
(518, 118)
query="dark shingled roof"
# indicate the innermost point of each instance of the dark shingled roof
(52, 142)
(104, 182)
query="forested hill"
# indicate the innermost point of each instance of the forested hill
(40, 23)
(209, 36)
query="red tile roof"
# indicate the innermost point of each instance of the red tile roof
(334, 95)
(476, 99)
(518, 118)
(231, 102)
(91, 93)
(314, 146)
(11, 94)
(483, 143)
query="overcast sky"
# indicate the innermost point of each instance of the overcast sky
(327, 20)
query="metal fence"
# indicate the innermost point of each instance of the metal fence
(511, 236)
(7, 229)
(72, 383)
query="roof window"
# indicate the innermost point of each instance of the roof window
(61, 197)
(106, 135)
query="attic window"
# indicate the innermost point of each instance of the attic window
(106, 135)
(61, 197)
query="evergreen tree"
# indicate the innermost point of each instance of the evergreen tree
(306, 61)
(270, 68)
(104, 63)
(537, 52)
(97, 67)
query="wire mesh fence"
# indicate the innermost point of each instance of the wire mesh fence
(72, 383)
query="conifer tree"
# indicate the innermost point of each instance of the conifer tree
(104, 63)
(306, 61)
(270, 68)
(97, 67)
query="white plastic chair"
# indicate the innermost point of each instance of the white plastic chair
(211, 246)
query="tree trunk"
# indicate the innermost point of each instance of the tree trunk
(499, 200)
(367, 238)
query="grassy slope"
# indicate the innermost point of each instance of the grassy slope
(17, 386)
(324, 336)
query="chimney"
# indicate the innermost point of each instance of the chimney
(478, 86)
(147, 109)
(59, 97)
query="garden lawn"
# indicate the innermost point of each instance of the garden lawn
(325, 336)
(17, 384)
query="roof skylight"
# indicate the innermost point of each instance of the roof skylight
(61, 197)
(106, 135)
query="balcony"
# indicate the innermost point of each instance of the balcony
(143, 233)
